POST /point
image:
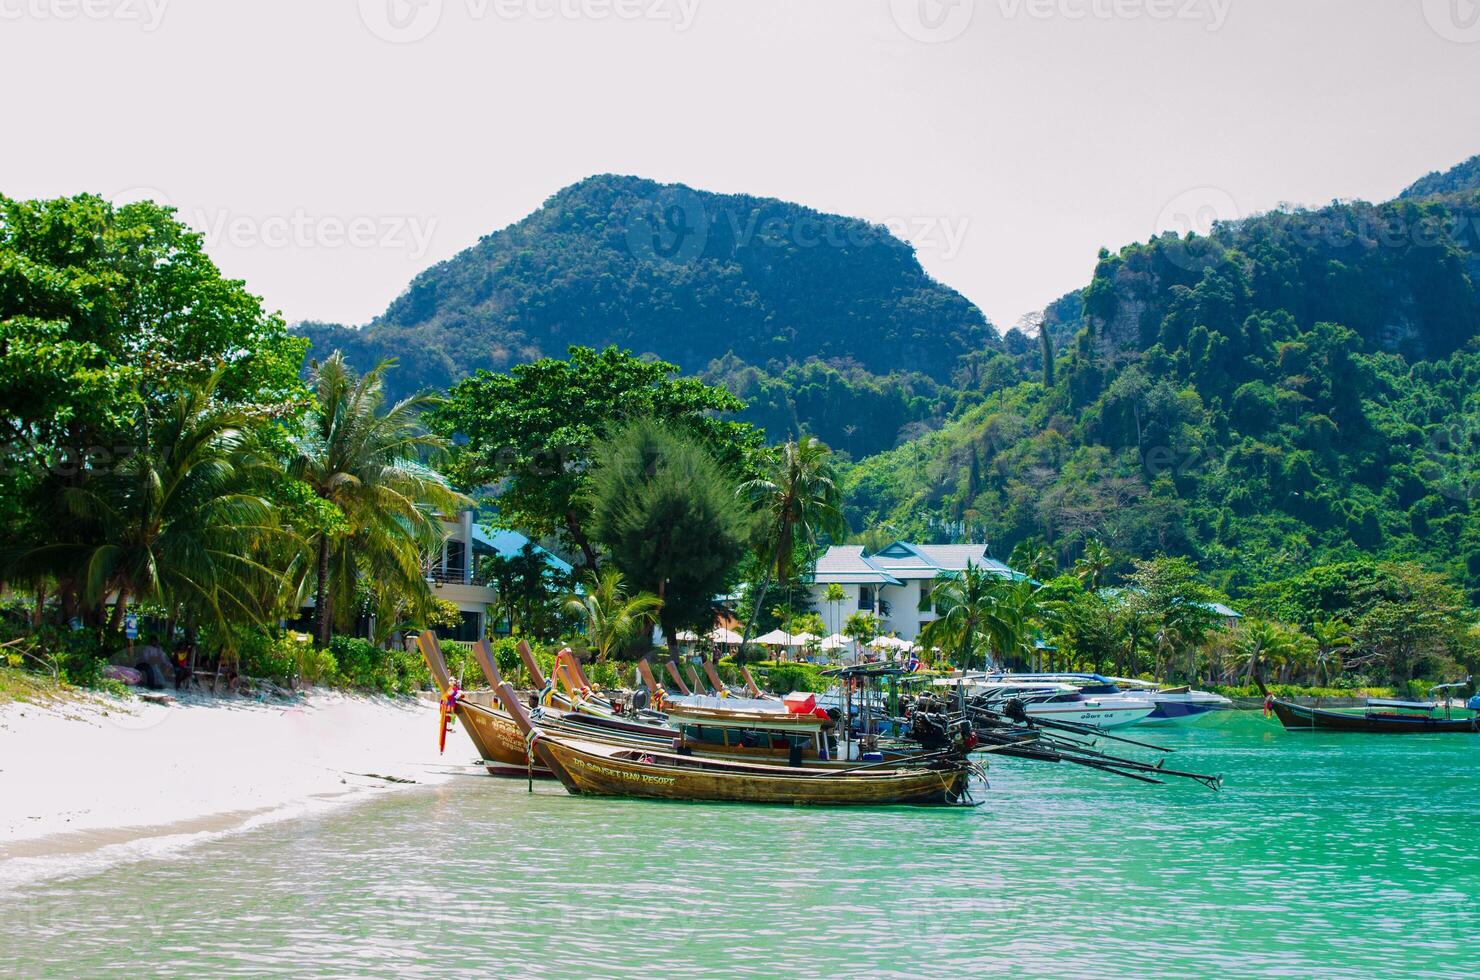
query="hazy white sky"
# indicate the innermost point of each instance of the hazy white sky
(331, 149)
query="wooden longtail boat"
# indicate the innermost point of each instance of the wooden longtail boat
(1376, 719)
(1380, 716)
(695, 684)
(753, 687)
(678, 680)
(597, 769)
(718, 686)
(500, 743)
(726, 733)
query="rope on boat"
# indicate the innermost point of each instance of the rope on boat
(530, 737)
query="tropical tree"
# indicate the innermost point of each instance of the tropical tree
(1033, 558)
(370, 462)
(178, 522)
(613, 618)
(1088, 628)
(667, 515)
(1090, 567)
(526, 582)
(1333, 638)
(1265, 643)
(537, 429)
(1167, 598)
(862, 627)
(108, 315)
(800, 498)
(975, 611)
(834, 595)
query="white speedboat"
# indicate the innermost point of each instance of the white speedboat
(1174, 705)
(1055, 699)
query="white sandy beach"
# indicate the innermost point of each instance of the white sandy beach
(82, 785)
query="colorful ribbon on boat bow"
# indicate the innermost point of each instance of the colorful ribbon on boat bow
(446, 715)
(1268, 705)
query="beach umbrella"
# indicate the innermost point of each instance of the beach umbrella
(803, 639)
(775, 638)
(836, 642)
(724, 637)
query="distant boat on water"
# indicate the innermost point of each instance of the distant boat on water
(1378, 716)
(1174, 705)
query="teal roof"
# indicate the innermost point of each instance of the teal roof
(509, 543)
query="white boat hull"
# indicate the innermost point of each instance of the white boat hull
(1096, 714)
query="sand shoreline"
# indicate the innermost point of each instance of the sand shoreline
(89, 783)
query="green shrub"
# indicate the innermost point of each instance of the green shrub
(268, 654)
(362, 664)
(783, 678)
(75, 657)
(315, 666)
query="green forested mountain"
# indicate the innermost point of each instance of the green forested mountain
(1298, 385)
(1458, 179)
(822, 322)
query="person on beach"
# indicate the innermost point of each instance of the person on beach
(184, 655)
(154, 664)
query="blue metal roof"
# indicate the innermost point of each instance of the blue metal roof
(509, 543)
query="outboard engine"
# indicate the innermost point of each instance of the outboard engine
(1015, 709)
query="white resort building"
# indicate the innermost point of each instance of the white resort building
(894, 583)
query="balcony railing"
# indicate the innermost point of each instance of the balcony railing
(455, 576)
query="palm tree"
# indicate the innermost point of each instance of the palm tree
(1263, 643)
(1091, 567)
(1033, 558)
(364, 460)
(1333, 638)
(177, 522)
(976, 607)
(613, 618)
(834, 595)
(801, 499)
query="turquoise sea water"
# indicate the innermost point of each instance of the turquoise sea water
(1325, 855)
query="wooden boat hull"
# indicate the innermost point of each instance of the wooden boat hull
(1299, 718)
(588, 770)
(499, 741)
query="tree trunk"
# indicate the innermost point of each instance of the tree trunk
(321, 596)
(588, 553)
(120, 609)
(760, 597)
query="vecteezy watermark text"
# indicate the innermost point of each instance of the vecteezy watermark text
(1214, 13)
(406, 21)
(146, 13)
(300, 229)
(937, 21)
